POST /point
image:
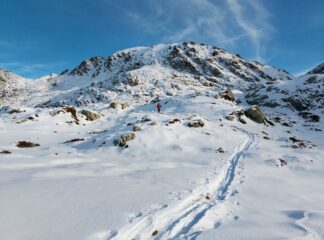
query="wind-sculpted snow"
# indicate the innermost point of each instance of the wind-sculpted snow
(224, 179)
(188, 218)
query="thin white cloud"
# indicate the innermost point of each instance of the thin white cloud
(181, 20)
(29, 69)
(4, 43)
(317, 20)
(253, 18)
(226, 23)
(24, 67)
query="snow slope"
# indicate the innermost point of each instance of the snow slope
(225, 180)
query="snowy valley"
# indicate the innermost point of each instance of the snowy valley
(237, 151)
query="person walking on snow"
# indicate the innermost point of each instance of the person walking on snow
(158, 106)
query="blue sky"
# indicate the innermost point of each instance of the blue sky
(38, 37)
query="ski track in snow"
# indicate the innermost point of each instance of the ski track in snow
(185, 219)
(302, 219)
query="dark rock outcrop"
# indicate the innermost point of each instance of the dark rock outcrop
(317, 70)
(228, 95)
(295, 103)
(255, 114)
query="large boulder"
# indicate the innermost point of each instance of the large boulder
(230, 117)
(123, 139)
(310, 117)
(228, 95)
(136, 128)
(115, 105)
(196, 123)
(90, 116)
(255, 114)
(242, 120)
(73, 113)
(296, 103)
(124, 105)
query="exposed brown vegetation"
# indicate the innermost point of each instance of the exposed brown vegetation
(155, 233)
(16, 111)
(4, 152)
(74, 140)
(26, 144)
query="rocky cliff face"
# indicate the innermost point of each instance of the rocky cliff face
(12, 86)
(303, 93)
(317, 70)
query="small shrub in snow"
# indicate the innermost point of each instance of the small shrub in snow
(26, 144)
(74, 140)
(4, 152)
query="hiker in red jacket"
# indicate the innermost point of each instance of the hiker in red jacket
(158, 106)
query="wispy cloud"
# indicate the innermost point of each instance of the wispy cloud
(23, 66)
(180, 20)
(317, 20)
(227, 22)
(253, 19)
(4, 44)
(29, 69)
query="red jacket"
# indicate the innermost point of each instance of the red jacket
(158, 105)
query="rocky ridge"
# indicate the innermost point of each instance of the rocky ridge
(144, 73)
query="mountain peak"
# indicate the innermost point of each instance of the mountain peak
(319, 69)
(209, 62)
(144, 73)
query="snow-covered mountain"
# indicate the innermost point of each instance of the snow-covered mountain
(159, 70)
(12, 85)
(175, 69)
(303, 93)
(236, 152)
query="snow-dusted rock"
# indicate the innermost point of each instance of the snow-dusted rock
(90, 116)
(255, 113)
